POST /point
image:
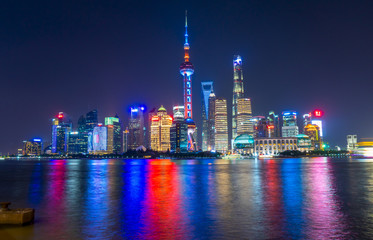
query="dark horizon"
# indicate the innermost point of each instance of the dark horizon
(72, 57)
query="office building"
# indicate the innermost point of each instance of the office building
(211, 123)
(274, 120)
(238, 91)
(313, 132)
(179, 133)
(289, 126)
(352, 143)
(61, 126)
(97, 140)
(244, 116)
(114, 134)
(207, 89)
(136, 128)
(160, 131)
(32, 147)
(221, 125)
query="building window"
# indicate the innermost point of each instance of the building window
(188, 85)
(189, 106)
(188, 99)
(188, 92)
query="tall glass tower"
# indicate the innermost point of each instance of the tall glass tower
(207, 89)
(187, 70)
(237, 91)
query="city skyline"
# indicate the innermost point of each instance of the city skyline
(110, 92)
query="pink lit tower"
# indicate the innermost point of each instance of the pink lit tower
(187, 70)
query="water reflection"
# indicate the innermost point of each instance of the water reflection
(194, 199)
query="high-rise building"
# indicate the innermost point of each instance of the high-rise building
(221, 125)
(352, 142)
(83, 134)
(187, 70)
(160, 131)
(274, 120)
(207, 88)
(313, 131)
(61, 126)
(289, 127)
(125, 140)
(114, 134)
(211, 123)
(179, 133)
(238, 91)
(306, 119)
(76, 144)
(98, 140)
(260, 127)
(136, 128)
(179, 108)
(32, 147)
(244, 115)
(316, 119)
(151, 114)
(91, 120)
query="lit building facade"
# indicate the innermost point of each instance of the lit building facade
(352, 143)
(61, 126)
(187, 70)
(260, 126)
(160, 131)
(114, 134)
(136, 128)
(32, 147)
(221, 125)
(274, 146)
(238, 91)
(98, 140)
(179, 133)
(76, 144)
(207, 88)
(244, 116)
(273, 120)
(211, 123)
(91, 120)
(313, 132)
(289, 126)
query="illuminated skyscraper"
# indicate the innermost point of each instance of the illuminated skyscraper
(207, 88)
(244, 115)
(76, 144)
(114, 134)
(313, 131)
(98, 140)
(306, 119)
(211, 123)
(238, 91)
(136, 128)
(260, 127)
(32, 147)
(160, 131)
(221, 125)
(289, 127)
(91, 120)
(61, 126)
(179, 133)
(274, 120)
(187, 70)
(83, 134)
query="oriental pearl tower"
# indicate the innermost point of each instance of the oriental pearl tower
(187, 70)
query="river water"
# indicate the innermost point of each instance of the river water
(303, 198)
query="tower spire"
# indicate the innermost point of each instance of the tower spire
(186, 27)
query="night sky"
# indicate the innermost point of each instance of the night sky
(73, 56)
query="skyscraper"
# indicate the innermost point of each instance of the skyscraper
(91, 120)
(207, 88)
(114, 134)
(179, 133)
(98, 140)
(187, 70)
(238, 91)
(289, 127)
(244, 115)
(136, 128)
(211, 123)
(313, 132)
(83, 134)
(274, 121)
(32, 147)
(61, 126)
(160, 131)
(221, 125)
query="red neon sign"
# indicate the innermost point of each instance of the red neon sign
(318, 113)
